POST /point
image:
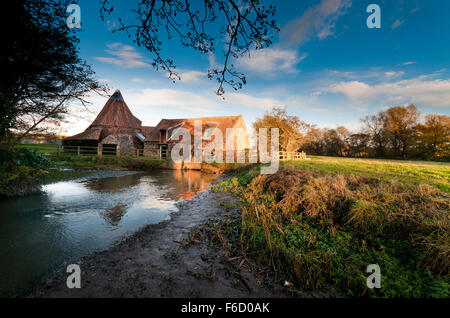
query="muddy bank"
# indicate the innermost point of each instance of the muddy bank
(164, 260)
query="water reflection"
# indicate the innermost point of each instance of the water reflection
(70, 219)
(114, 184)
(114, 215)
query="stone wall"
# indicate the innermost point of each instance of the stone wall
(125, 144)
(151, 149)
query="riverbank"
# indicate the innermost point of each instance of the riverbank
(321, 225)
(20, 178)
(174, 258)
(314, 225)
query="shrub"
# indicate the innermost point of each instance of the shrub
(20, 168)
(322, 230)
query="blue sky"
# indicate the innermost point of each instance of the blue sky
(325, 66)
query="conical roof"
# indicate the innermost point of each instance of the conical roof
(116, 113)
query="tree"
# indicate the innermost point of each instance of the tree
(41, 71)
(375, 127)
(290, 128)
(401, 122)
(314, 141)
(236, 26)
(359, 145)
(335, 141)
(434, 138)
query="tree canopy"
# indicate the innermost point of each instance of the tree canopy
(290, 128)
(42, 71)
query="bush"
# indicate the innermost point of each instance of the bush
(19, 171)
(321, 231)
(23, 157)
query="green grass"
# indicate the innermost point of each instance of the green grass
(42, 148)
(410, 172)
(85, 161)
(319, 223)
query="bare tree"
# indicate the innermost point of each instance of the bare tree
(375, 127)
(236, 27)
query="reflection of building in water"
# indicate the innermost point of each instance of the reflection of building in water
(113, 184)
(114, 215)
(191, 182)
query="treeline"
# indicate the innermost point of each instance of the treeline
(400, 132)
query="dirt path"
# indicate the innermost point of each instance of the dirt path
(158, 262)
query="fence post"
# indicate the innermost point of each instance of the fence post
(78, 151)
(57, 150)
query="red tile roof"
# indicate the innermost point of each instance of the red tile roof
(221, 123)
(88, 134)
(146, 130)
(115, 116)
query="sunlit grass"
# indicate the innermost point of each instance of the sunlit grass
(410, 172)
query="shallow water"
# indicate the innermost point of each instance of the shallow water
(44, 232)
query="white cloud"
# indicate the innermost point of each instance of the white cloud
(353, 89)
(192, 76)
(137, 80)
(422, 91)
(169, 98)
(245, 100)
(317, 21)
(394, 73)
(272, 61)
(408, 63)
(397, 23)
(123, 55)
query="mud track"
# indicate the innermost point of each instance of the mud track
(163, 260)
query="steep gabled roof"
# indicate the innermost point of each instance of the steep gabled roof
(221, 123)
(116, 113)
(115, 116)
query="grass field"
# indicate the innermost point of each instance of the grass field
(42, 148)
(319, 223)
(411, 172)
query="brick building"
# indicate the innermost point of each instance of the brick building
(116, 131)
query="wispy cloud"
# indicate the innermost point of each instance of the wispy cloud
(272, 61)
(192, 76)
(137, 80)
(245, 100)
(422, 90)
(408, 63)
(173, 98)
(318, 21)
(392, 74)
(397, 23)
(123, 55)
